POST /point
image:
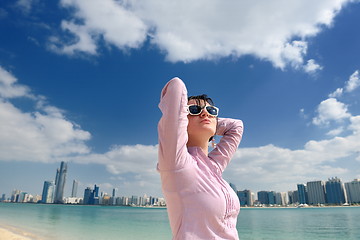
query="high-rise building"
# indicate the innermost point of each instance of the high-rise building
(233, 186)
(293, 197)
(271, 196)
(353, 191)
(95, 195)
(91, 197)
(48, 192)
(113, 196)
(281, 198)
(60, 183)
(316, 192)
(87, 196)
(15, 195)
(335, 193)
(245, 198)
(74, 188)
(303, 195)
(263, 197)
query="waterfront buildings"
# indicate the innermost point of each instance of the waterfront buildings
(263, 197)
(48, 192)
(316, 192)
(91, 196)
(335, 193)
(353, 191)
(245, 197)
(302, 192)
(331, 192)
(74, 189)
(293, 197)
(60, 183)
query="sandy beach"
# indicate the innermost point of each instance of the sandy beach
(11, 233)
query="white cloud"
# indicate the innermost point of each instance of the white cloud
(355, 124)
(191, 30)
(258, 168)
(25, 5)
(9, 88)
(312, 66)
(353, 82)
(43, 135)
(330, 110)
(350, 85)
(336, 131)
(274, 168)
(337, 93)
(133, 165)
(107, 20)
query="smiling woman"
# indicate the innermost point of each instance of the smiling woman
(191, 176)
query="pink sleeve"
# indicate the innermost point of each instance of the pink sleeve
(231, 130)
(172, 127)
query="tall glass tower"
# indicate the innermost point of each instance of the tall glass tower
(335, 193)
(48, 192)
(302, 191)
(74, 188)
(353, 191)
(316, 192)
(60, 183)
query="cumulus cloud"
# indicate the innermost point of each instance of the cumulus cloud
(25, 5)
(331, 110)
(350, 85)
(9, 88)
(132, 166)
(353, 82)
(281, 168)
(191, 30)
(43, 135)
(312, 66)
(107, 20)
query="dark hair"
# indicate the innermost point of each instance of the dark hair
(202, 97)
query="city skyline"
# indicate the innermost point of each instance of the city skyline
(81, 83)
(312, 193)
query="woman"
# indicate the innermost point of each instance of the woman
(201, 205)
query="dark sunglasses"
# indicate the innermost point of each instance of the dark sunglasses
(197, 110)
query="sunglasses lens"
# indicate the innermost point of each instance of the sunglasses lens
(194, 109)
(212, 110)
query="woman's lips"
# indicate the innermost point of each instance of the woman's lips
(206, 121)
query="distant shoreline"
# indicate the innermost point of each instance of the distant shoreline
(164, 207)
(306, 207)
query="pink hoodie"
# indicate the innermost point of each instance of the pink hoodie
(200, 204)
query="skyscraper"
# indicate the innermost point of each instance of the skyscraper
(48, 192)
(113, 197)
(335, 193)
(87, 196)
(353, 191)
(263, 197)
(245, 197)
(74, 188)
(316, 192)
(60, 183)
(302, 192)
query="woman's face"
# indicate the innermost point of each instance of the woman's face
(203, 124)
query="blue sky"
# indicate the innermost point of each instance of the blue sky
(80, 82)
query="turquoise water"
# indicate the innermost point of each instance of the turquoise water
(98, 222)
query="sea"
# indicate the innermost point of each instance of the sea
(78, 222)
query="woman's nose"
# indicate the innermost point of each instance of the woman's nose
(204, 113)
